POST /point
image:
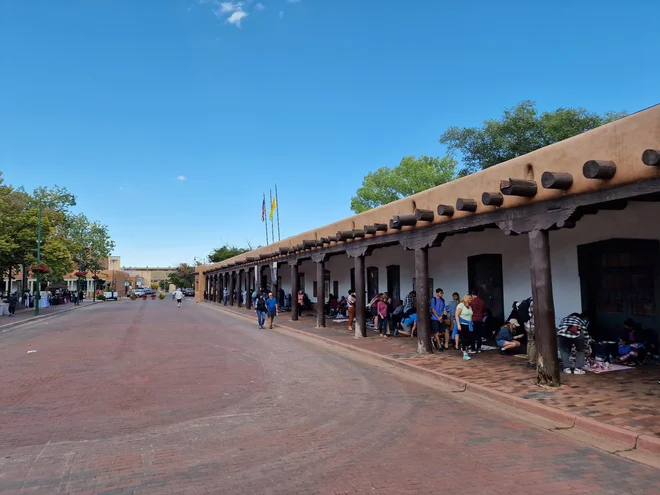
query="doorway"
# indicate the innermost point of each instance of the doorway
(372, 282)
(485, 276)
(618, 278)
(394, 282)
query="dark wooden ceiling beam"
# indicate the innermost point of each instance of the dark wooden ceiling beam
(651, 158)
(492, 199)
(556, 180)
(464, 204)
(518, 187)
(445, 210)
(599, 169)
(424, 215)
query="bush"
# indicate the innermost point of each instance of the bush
(133, 297)
(100, 297)
(161, 296)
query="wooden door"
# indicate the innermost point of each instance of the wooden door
(485, 276)
(372, 282)
(394, 282)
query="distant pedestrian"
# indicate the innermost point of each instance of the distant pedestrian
(13, 301)
(464, 324)
(225, 295)
(262, 309)
(273, 308)
(478, 310)
(179, 297)
(350, 302)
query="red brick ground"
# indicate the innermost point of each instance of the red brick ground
(629, 399)
(157, 399)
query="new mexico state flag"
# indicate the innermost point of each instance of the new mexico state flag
(273, 207)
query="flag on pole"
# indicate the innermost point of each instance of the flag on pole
(263, 210)
(273, 207)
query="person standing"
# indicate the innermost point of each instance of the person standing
(464, 324)
(478, 308)
(13, 301)
(273, 308)
(262, 309)
(450, 309)
(178, 295)
(225, 295)
(301, 302)
(382, 314)
(350, 303)
(437, 306)
(572, 331)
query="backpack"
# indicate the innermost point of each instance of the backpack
(520, 311)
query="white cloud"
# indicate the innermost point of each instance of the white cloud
(260, 6)
(236, 18)
(226, 7)
(181, 177)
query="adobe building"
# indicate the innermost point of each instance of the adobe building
(575, 225)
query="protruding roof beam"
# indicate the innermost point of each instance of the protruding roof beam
(445, 210)
(556, 180)
(599, 169)
(492, 199)
(424, 215)
(518, 187)
(651, 158)
(464, 204)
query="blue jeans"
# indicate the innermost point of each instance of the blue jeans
(261, 317)
(225, 300)
(382, 325)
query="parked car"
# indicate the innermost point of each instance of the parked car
(110, 295)
(189, 292)
(138, 292)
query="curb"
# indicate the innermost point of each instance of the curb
(629, 439)
(34, 319)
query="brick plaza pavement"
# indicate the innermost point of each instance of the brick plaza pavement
(629, 399)
(154, 399)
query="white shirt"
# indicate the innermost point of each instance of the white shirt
(178, 294)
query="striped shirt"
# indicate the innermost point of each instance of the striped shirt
(573, 327)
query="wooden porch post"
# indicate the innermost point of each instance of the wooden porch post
(422, 289)
(294, 289)
(248, 299)
(231, 288)
(545, 333)
(360, 295)
(320, 290)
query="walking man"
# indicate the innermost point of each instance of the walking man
(13, 301)
(262, 309)
(273, 308)
(178, 295)
(225, 295)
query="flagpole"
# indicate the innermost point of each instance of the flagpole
(277, 204)
(272, 228)
(263, 213)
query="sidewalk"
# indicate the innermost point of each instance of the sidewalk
(26, 315)
(622, 406)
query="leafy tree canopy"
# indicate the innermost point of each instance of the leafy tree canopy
(520, 130)
(183, 276)
(225, 252)
(411, 176)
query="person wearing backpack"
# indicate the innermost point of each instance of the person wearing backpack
(437, 307)
(261, 308)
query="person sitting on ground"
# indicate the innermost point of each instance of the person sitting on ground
(629, 347)
(572, 331)
(508, 337)
(397, 314)
(342, 306)
(409, 325)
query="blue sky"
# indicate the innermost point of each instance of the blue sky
(115, 99)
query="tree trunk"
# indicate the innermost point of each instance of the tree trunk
(547, 370)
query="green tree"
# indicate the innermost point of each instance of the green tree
(183, 276)
(225, 252)
(520, 130)
(411, 176)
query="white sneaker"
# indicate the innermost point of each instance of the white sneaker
(578, 371)
(472, 352)
(466, 357)
(568, 371)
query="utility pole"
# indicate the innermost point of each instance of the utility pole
(38, 291)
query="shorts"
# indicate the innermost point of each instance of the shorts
(179, 300)
(436, 326)
(500, 343)
(272, 314)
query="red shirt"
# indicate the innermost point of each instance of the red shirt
(478, 307)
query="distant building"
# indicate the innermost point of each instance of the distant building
(149, 275)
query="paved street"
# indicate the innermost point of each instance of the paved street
(142, 397)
